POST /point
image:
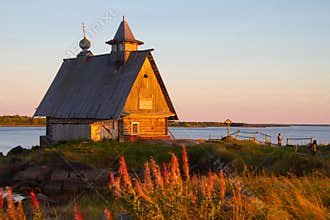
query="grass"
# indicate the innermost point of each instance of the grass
(272, 160)
(170, 192)
(261, 181)
(204, 156)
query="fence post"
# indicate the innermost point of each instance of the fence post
(312, 139)
(287, 141)
(237, 132)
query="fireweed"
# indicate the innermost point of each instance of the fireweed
(10, 211)
(77, 212)
(170, 192)
(37, 213)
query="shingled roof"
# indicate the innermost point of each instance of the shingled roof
(95, 88)
(124, 34)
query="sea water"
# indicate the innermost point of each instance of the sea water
(29, 136)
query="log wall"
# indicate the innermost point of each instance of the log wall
(147, 126)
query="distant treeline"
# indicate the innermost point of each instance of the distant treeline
(202, 124)
(194, 124)
(216, 124)
(17, 120)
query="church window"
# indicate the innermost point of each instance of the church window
(146, 81)
(135, 128)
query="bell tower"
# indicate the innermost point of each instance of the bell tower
(124, 41)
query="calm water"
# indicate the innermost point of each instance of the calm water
(320, 133)
(14, 136)
(29, 136)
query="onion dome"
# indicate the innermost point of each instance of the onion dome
(84, 44)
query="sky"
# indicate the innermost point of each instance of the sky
(254, 61)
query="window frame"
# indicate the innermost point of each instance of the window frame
(135, 123)
(146, 81)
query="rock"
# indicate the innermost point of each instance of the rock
(5, 174)
(98, 175)
(74, 181)
(36, 173)
(16, 150)
(59, 175)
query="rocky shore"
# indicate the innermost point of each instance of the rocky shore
(55, 178)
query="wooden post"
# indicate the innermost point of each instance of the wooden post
(228, 130)
(228, 122)
(267, 139)
(312, 139)
(287, 141)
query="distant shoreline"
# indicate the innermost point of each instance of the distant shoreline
(21, 121)
(27, 121)
(197, 125)
(220, 124)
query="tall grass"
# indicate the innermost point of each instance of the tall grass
(11, 211)
(170, 192)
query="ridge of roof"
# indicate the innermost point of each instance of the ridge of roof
(108, 54)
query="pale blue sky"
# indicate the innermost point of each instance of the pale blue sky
(252, 61)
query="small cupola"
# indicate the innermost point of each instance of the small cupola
(85, 44)
(124, 39)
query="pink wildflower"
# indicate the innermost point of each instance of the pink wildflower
(34, 200)
(123, 172)
(1, 198)
(107, 214)
(147, 177)
(77, 213)
(10, 200)
(185, 162)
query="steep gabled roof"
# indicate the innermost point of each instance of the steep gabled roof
(95, 88)
(124, 34)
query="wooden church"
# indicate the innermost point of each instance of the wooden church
(119, 95)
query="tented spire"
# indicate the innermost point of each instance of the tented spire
(124, 34)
